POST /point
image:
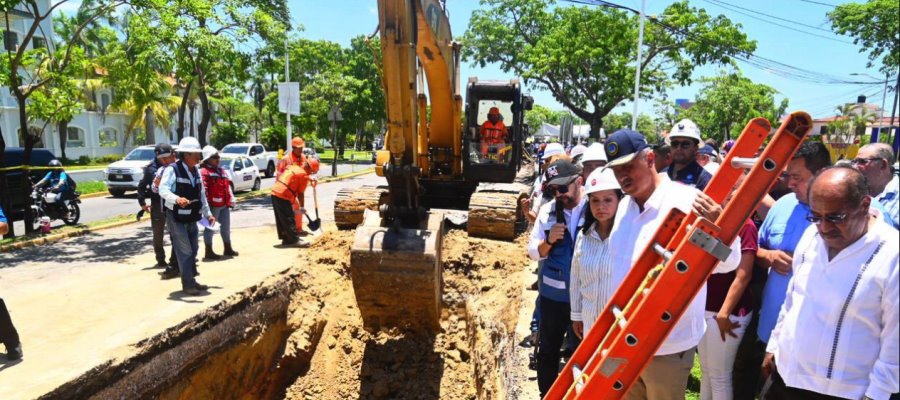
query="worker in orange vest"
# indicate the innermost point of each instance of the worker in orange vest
(493, 131)
(287, 202)
(295, 156)
(310, 164)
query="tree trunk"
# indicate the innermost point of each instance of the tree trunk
(193, 134)
(5, 201)
(63, 127)
(596, 122)
(205, 116)
(26, 160)
(149, 126)
(179, 130)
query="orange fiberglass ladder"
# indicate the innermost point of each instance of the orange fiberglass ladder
(674, 267)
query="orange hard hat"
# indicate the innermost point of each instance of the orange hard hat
(494, 111)
(313, 165)
(297, 142)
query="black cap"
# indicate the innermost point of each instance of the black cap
(623, 145)
(708, 150)
(561, 172)
(163, 150)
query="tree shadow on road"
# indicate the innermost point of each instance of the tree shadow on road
(91, 247)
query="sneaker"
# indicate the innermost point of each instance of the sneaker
(162, 264)
(201, 287)
(14, 353)
(169, 274)
(193, 291)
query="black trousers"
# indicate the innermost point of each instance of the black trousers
(158, 224)
(555, 321)
(780, 391)
(8, 334)
(284, 220)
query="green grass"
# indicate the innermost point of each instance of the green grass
(693, 390)
(89, 187)
(84, 167)
(364, 155)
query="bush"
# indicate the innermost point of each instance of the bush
(109, 158)
(226, 134)
(273, 137)
(84, 160)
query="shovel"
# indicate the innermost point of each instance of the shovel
(315, 224)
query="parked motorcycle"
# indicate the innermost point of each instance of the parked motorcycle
(44, 204)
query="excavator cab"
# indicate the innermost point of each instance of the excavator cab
(489, 158)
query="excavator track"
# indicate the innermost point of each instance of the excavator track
(495, 210)
(350, 204)
(396, 273)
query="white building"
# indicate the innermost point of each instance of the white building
(93, 133)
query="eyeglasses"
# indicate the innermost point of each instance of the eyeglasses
(864, 161)
(836, 219)
(686, 144)
(562, 189)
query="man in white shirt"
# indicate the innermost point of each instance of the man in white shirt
(650, 198)
(553, 242)
(837, 333)
(874, 161)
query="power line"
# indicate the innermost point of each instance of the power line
(772, 66)
(772, 16)
(728, 7)
(819, 3)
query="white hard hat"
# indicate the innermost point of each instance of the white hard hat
(208, 152)
(687, 129)
(189, 145)
(601, 179)
(577, 150)
(594, 152)
(553, 149)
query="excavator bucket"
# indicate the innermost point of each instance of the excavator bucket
(396, 274)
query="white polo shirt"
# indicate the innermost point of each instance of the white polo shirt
(837, 330)
(632, 232)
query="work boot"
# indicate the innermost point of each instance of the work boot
(229, 252)
(14, 353)
(211, 255)
(169, 273)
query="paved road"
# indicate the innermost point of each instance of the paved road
(79, 302)
(100, 208)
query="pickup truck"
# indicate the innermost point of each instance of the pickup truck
(264, 160)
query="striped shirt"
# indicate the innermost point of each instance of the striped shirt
(889, 199)
(593, 280)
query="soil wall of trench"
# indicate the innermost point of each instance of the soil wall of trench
(299, 335)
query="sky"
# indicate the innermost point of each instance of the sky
(340, 20)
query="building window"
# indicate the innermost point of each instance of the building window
(39, 43)
(10, 40)
(109, 138)
(74, 137)
(105, 99)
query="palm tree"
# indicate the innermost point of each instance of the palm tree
(150, 102)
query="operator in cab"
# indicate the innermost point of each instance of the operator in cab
(493, 134)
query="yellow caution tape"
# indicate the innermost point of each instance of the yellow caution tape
(29, 168)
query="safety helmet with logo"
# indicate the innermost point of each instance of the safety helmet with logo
(209, 152)
(55, 163)
(601, 179)
(297, 142)
(686, 129)
(189, 145)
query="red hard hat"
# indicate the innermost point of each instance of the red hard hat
(494, 111)
(313, 165)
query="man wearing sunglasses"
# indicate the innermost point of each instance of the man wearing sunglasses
(685, 141)
(837, 333)
(874, 161)
(553, 242)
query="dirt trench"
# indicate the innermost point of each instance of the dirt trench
(317, 349)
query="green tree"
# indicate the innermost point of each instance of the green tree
(584, 55)
(874, 27)
(541, 115)
(726, 102)
(62, 98)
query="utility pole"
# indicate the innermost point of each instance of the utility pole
(287, 78)
(894, 112)
(637, 75)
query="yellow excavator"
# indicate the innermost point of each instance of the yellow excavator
(431, 165)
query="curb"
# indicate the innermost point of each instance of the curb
(93, 195)
(78, 232)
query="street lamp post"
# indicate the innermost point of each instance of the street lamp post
(334, 116)
(637, 75)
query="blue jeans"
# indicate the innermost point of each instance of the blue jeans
(185, 244)
(223, 219)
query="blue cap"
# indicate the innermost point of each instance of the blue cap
(708, 150)
(623, 145)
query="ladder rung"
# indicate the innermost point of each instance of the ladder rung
(620, 317)
(665, 254)
(709, 244)
(744, 162)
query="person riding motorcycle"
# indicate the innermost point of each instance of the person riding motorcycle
(58, 182)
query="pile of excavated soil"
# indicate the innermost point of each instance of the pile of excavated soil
(330, 356)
